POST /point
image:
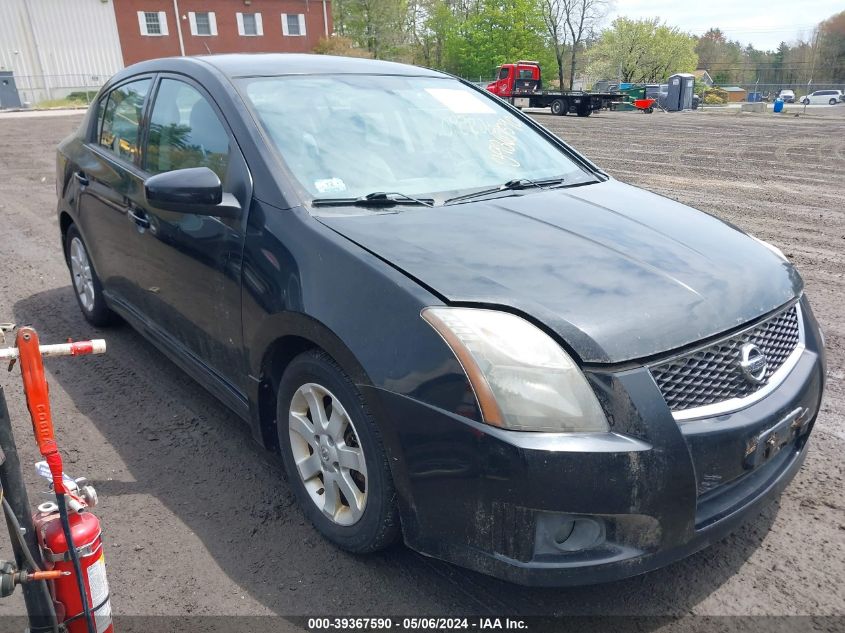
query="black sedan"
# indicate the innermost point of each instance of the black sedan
(450, 325)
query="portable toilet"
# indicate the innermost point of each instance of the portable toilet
(681, 87)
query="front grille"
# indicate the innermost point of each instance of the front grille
(712, 374)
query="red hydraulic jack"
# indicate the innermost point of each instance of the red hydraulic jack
(66, 583)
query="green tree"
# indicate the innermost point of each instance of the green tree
(582, 16)
(554, 18)
(378, 26)
(488, 33)
(642, 51)
(829, 64)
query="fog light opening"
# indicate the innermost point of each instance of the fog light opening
(574, 535)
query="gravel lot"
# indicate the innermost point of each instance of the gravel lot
(199, 521)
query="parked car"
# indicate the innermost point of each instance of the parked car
(788, 96)
(830, 97)
(453, 327)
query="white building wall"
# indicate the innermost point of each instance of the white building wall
(56, 47)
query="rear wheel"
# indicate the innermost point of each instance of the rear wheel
(559, 107)
(334, 456)
(585, 111)
(832, 102)
(86, 284)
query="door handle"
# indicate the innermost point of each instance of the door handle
(81, 178)
(136, 216)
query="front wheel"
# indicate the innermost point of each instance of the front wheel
(806, 102)
(334, 456)
(86, 284)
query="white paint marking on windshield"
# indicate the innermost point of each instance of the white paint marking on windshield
(460, 101)
(330, 185)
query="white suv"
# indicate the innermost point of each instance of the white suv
(787, 95)
(831, 97)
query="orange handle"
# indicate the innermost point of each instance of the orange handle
(45, 575)
(38, 402)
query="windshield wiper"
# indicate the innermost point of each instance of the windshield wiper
(375, 199)
(511, 185)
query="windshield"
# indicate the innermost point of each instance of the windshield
(351, 135)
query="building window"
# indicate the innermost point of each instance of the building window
(293, 24)
(249, 24)
(203, 23)
(152, 23)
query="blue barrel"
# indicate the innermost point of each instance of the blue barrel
(778, 105)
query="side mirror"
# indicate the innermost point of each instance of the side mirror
(196, 190)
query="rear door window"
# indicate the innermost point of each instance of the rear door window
(118, 129)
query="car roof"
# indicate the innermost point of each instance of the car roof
(269, 64)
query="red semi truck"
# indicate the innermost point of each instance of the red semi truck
(521, 84)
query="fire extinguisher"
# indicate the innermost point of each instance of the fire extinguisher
(85, 528)
(70, 541)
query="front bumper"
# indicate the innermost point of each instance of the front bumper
(491, 500)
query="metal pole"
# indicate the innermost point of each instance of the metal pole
(39, 606)
(179, 27)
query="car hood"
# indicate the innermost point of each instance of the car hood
(617, 272)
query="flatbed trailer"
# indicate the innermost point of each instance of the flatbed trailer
(521, 84)
(562, 103)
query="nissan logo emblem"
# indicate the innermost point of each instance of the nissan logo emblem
(753, 363)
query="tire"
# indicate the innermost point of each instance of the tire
(806, 101)
(832, 102)
(345, 453)
(559, 107)
(86, 285)
(585, 111)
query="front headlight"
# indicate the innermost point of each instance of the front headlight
(522, 379)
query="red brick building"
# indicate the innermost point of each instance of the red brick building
(162, 28)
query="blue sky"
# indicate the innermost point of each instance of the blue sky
(764, 23)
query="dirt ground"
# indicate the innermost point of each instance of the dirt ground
(199, 521)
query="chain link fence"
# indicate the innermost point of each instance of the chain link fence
(770, 91)
(56, 90)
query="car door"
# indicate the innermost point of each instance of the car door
(502, 87)
(192, 263)
(110, 182)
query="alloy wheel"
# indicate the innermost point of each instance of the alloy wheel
(328, 454)
(83, 280)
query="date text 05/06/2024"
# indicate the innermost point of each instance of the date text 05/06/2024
(415, 624)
